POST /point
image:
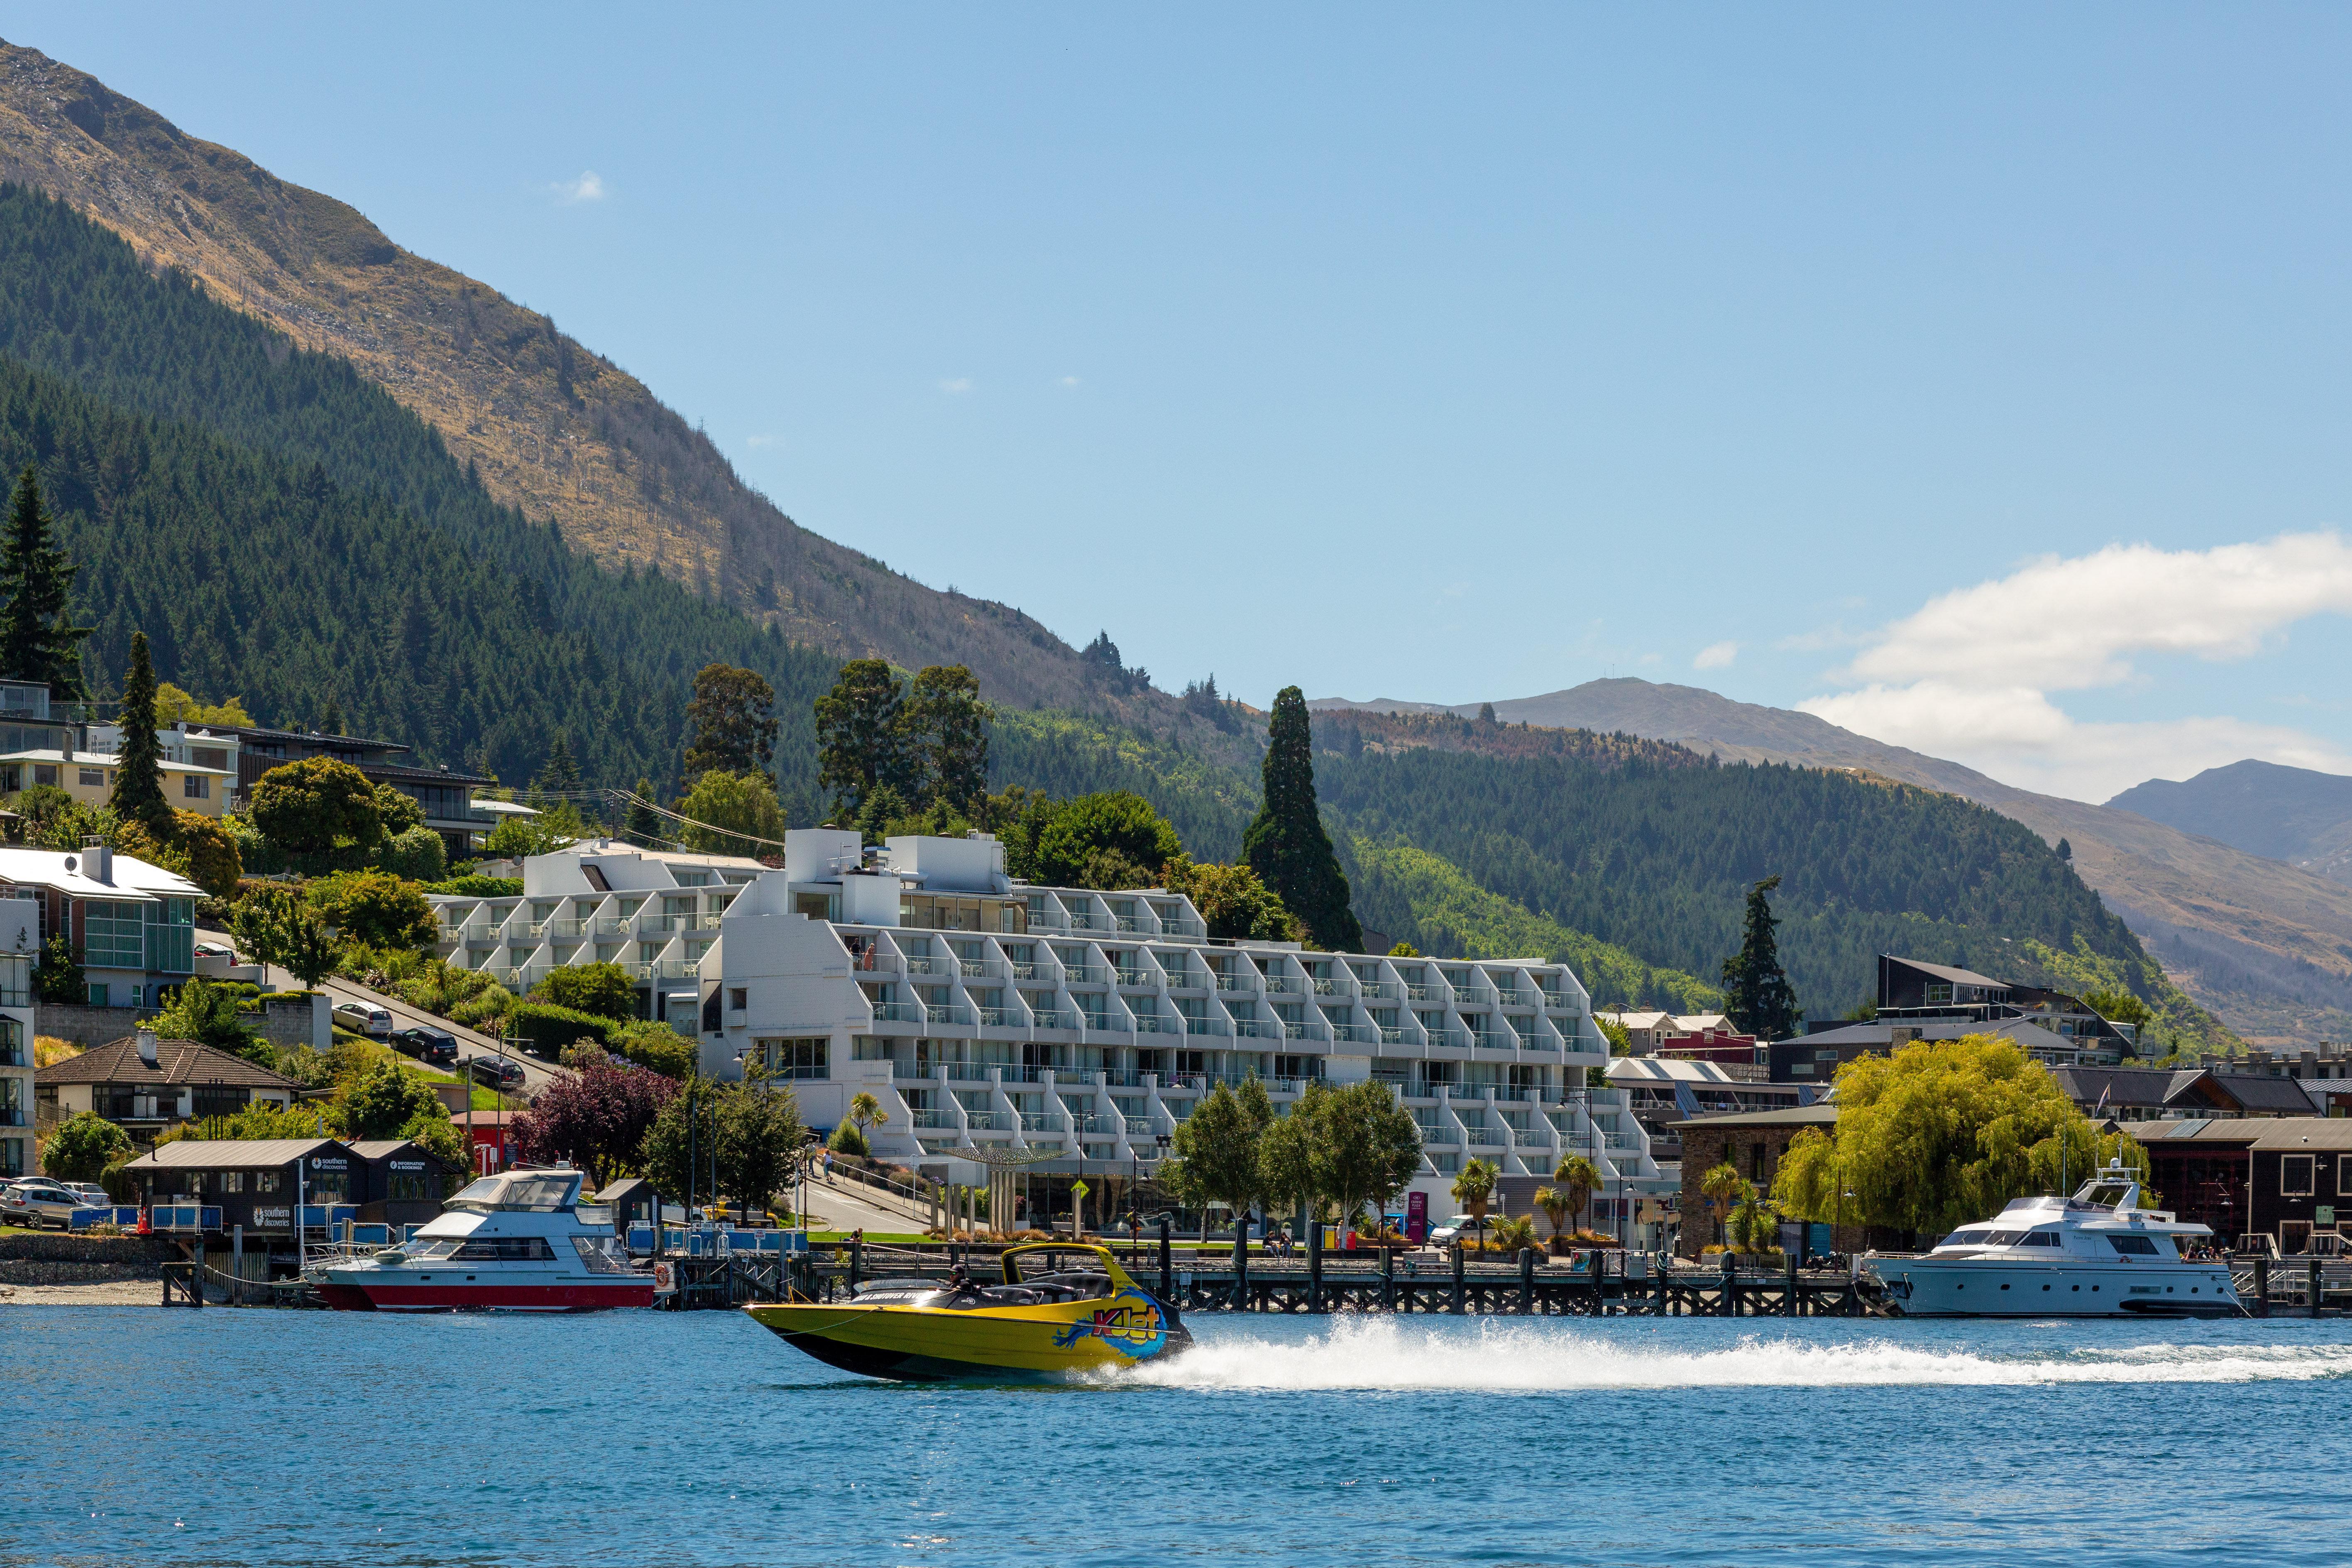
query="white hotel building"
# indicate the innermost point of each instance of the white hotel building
(1071, 1025)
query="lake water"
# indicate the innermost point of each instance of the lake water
(283, 1437)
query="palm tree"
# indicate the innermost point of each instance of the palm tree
(1582, 1179)
(1723, 1187)
(1474, 1189)
(866, 1111)
(1755, 1223)
(1557, 1206)
(1512, 1235)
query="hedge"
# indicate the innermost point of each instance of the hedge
(547, 1029)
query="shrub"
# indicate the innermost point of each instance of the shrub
(605, 989)
(850, 1139)
(315, 807)
(214, 862)
(547, 1029)
(652, 1044)
(417, 854)
(472, 887)
(373, 908)
(81, 1147)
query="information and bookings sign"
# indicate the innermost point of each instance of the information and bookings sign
(1416, 1217)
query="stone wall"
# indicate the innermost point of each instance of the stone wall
(86, 1026)
(42, 1259)
(288, 1018)
(1756, 1152)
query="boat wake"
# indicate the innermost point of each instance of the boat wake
(1382, 1354)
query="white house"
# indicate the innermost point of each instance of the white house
(20, 937)
(135, 924)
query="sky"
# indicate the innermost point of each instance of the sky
(1975, 378)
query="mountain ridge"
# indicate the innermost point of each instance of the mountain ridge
(549, 427)
(2268, 946)
(2299, 816)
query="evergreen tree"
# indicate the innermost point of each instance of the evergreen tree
(1757, 996)
(560, 776)
(138, 778)
(2065, 851)
(734, 719)
(38, 641)
(1287, 846)
(642, 827)
(332, 724)
(946, 736)
(860, 735)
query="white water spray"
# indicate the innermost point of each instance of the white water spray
(1383, 1353)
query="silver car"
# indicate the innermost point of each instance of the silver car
(361, 1018)
(41, 1203)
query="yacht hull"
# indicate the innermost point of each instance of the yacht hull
(1989, 1288)
(366, 1289)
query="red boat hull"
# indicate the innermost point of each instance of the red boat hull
(584, 1297)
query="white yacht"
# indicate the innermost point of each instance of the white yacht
(520, 1241)
(2095, 1255)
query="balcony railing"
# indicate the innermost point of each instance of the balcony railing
(1510, 996)
(1259, 1029)
(981, 1121)
(1036, 972)
(1104, 1024)
(1430, 993)
(1488, 1040)
(974, 968)
(1086, 974)
(1153, 1023)
(921, 965)
(1333, 987)
(1133, 978)
(1137, 1126)
(1391, 1036)
(1081, 920)
(1388, 989)
(937, 1013)
(1040, 1122)
(935, 1119)
(1050, 1018)
(1179, 926)
(899, 1013)
(483, 935)
(1529, 1138)
(1618, 1141)
(973, 1072)
(1245, 984)
(1124, 1078)
(1484, 1137)
(1204, 1025)
(1284, 985)
(1003, 1019)
(923, 1071)
(1358, 1033)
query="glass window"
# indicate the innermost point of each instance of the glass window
(266, 1181)
(800, 1058)
(2133, 1246)
(92, 776)
(171, 936)
(113, 935)
(45, 774)
(1939, 992)
(2295, 1175)
(197, 786)
(2343, 1176)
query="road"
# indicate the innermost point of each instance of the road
(536, 1074)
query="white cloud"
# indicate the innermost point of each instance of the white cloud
(1069, 381)
(758, 442)
(588, 188)
(1716, 656)
(956, 386)
(1969, 677)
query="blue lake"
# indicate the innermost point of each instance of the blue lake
(280, 1437)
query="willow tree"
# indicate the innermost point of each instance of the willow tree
(1941, 1133)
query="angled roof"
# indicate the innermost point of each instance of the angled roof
(386, 1148)
(2234, 1129)
(1822, 1114)
(183, 1153)
(2304, 1135)
(177, 1062)
(1945, 972)
(67, 872)
(2259, 1091)
(2118, 1086)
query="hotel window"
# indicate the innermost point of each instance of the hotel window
(799, 1059)
(2295, 1175)
(194, 786)
(93, 775)
(1938, 991)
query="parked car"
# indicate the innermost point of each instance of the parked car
(1461, 1225)
(496, 1071)
(92, 1195)
(363, 1019)
(216, 950)
(426, 1045)
(41, 1202)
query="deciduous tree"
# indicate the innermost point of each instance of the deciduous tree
(732, 813)
(1216, 1147)
(315, 807)
(605, 989)
(81, 1147)
(597, 1118)
(1233, 903)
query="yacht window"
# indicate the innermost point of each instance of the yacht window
(597, 1254)
(506, 1249)
(1964, 1239)
(422, 1250)
(482, 1193)
(2106, 1198)
(2040, 1239)
(2003, 1237)
(2135, 1246)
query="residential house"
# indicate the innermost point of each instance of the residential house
(1646, 1033)
(2146, 1094)
(2288, 1179)
(446, 797)
(88, 777)
(1911, 991)
(133, 923)
(199, 763)
(143, 1084)
(20, 924)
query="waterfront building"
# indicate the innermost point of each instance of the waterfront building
(1751, 1142)
(2286, 1180)
(1075, 1028)
(20, 929)
(255, 1183)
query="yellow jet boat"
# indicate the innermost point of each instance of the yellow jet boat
(1057, 1322)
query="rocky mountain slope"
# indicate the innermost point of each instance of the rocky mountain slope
(2266, 945)
(2296, 815)
(550, 427)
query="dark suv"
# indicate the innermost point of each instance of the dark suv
(426, 1045)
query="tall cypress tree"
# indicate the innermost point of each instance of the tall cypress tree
(1757, 996)
(138, 777)
(1287, 846)
(641, 823)
(38, 641)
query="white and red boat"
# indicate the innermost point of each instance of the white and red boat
(517, 1242)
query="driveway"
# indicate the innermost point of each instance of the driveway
(536, 1074)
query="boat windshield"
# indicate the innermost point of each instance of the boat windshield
(543, 1192)
(2107, 1194)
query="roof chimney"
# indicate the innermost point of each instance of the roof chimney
(147, 1047)
(97, 860)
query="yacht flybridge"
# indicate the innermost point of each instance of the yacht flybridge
(2095, 1255)
(518, 1241)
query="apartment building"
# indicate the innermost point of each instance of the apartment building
(133, 923)
(1073, 1029)
(655, 912)
(20, 940)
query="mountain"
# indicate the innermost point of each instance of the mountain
(2267, 946)
(549, 428)
(2296, 815)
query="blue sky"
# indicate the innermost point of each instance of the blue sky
(1442, 357)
